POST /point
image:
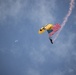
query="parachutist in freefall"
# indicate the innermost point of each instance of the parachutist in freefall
(51, 29)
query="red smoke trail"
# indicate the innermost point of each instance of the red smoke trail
(66, 18)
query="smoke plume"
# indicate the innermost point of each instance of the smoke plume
(66, 18)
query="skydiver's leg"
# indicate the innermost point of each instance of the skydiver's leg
(51, 40)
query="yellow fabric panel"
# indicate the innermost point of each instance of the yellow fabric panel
(40, 32)
(47, 27)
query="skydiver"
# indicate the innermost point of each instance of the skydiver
(49, 31)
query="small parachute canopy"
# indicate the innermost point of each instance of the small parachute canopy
(44, 28)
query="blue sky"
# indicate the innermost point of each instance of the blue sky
(23, 51)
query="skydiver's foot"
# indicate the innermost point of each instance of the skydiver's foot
(51, 41)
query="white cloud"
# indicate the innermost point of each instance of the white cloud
(16, 51)
(74, 19)
(11, 8)
(70, 70)
(16, 41)
(62, 49)
(57, 73)
(42, 11)
(32, 71)
(36, 56)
